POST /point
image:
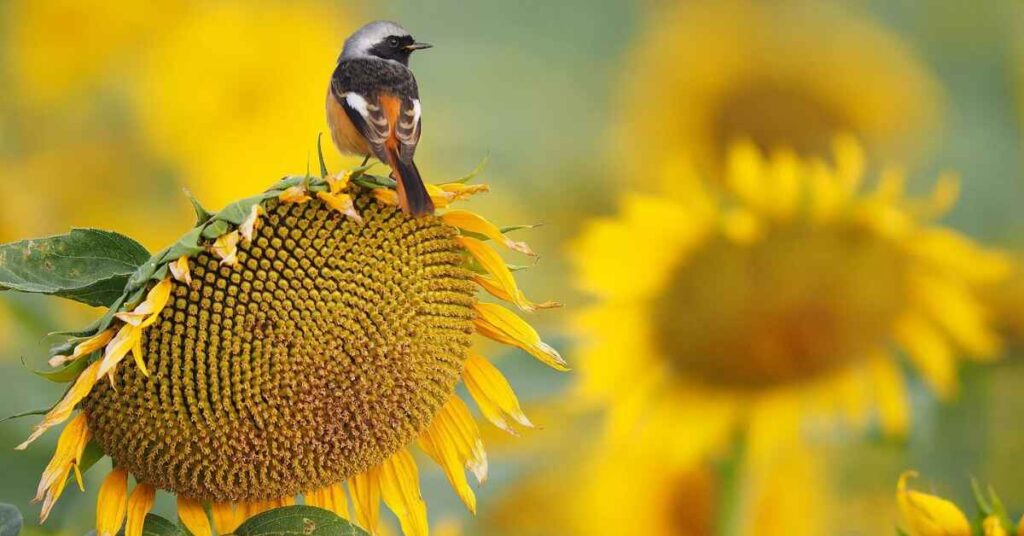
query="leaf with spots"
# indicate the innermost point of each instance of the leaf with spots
(299, 520)
(90, 266)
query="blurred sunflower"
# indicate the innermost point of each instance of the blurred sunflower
(1007, 302)
(632, 491)
(787, 296)
(782, 74)
(295, 342)
(246, 93)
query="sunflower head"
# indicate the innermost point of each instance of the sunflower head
(296, 340)
(791, 287)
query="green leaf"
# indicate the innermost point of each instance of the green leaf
(10, 520)
(237, 212)
(373, 181)
(63, 374)
(91, 266)
(320, 155)
(299, 520)
(202, 215)
(158, 526)
(92, 454)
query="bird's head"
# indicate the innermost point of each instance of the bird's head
(382, 39)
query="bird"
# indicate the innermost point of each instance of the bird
(373, 106)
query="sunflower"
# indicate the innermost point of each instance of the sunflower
(632, 491)
(295, 342)
(768, 309)
(790, 74)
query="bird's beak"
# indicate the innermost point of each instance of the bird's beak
(417, 46)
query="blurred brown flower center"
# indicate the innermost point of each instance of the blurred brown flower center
(773, 116)
(797, 304)
(690, 503)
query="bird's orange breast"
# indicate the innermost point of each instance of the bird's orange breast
(345, 135)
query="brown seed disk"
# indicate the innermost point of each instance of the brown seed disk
(328, 347)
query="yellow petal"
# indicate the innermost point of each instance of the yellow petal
(365, 490)
(453, 441)
(745, 176)
(386, 196)
(83, 384)
(849, 162)
(66, 458)
(929, 353)
(146, 313)
(492, 393)
(125, 340)
(928, 515)
(890, 395)
(991, 526)
(226, 247)
(295, 194)
(494, 289)
(330, 498)
(85, 347)
(440, 197)
(248, 226)
(342, 203)
(193, 516)
(112, 503)
(500, 324)
(139, 504)
(226, 517)
(400, 489)
(180, 270)
(460, 191)
(474, 223)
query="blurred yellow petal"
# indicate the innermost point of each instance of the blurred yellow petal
(112, 503)
(192, 514)
(952, 306)
(492, 393)
(991, 526)
(474, 223)
(365, 490)
(500, 324)
(400, 489)
(139, 504)
(60, 412)
(929, 353)
(890, 395)
(928, 515)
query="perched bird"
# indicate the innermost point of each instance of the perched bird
(373, 106)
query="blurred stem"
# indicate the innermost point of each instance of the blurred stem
(732, 494)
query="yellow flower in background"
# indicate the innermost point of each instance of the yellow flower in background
(928, 515)
(61, 49)
(1007, 302)
(236, 89)
(782, 74)
(633, 491)
(779, 304)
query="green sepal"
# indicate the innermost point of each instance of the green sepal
(10, 520)
(202, 215)
(373, 182)
(155, 525)
(476, 171)
(237, 212)
(90, 455)
(215, 229)
(64, 374)
(298, 520)
(320, 155)
(30, 413)
(90, 266)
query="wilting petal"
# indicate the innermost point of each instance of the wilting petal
(83, 384)
(459, 191)
(475, 223)
(248, 226)
(295, 194)
(928, 515)
(146, 313)
(400, 488)
(492, 393)
(498, 323)
(139, 504)
(365, 490)
(193, 516)
(226, 247)
(342, 203)
(125, 340)
(85, 347)
(494, 289)
(112, 503)
(180, 270)
(66, 458)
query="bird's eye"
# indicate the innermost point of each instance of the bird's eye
(393, 41)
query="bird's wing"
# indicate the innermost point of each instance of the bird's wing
(383, 119)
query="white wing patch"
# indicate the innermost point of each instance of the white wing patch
(357, 103)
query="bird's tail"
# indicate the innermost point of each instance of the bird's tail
(412, 194)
